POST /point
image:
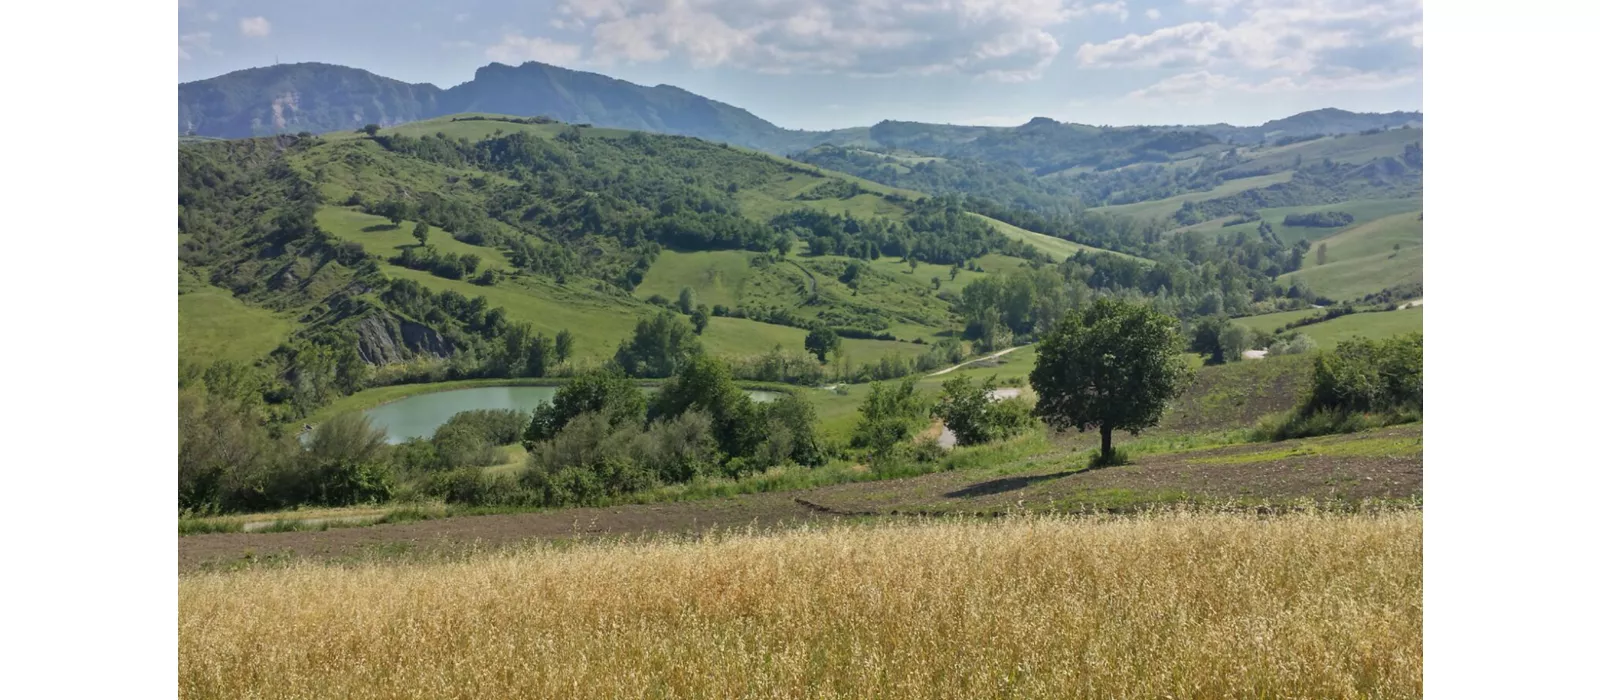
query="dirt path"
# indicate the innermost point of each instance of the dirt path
(954, 367)
(809, 277)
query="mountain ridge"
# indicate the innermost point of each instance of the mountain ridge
(321, 97)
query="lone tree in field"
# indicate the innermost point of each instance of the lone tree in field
(1112, 366)
(563, 345)
(421, 232)
(822, 342)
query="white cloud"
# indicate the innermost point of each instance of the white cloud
(1007, 41)
(1205, 87)
(462, 17)
(1289, 35)
(1187, 44)
(515, 49)
(255, 26)
(1281, 44)
(1153, 13)
(189, 44)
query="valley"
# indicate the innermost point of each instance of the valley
(455, 344)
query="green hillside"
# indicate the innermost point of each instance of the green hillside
(418, 251)
(213, 325)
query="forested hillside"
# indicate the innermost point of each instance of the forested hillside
(460, 247)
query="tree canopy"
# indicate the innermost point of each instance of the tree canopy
(1111, 366)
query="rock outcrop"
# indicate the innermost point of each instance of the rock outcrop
(383, 338)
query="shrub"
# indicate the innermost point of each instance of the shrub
(659, 347)
(1362, 384)
(975, 417)
(343, 464)
(892, 414)
(595, 391)
(1321, 219)
(779, 365)
(1362, 375)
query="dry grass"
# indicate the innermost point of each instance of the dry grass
(1187, 605)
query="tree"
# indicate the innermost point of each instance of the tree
(822, 341)
(973, 414)
(563, 345)
(784, 244)
(541, 352)
(936, 281)
(1112, 366)
(686, 300)
(469, 262)
(370, 129)
(659, 346)
(892, 414)
(1322, 253)
(955, 270)
(1235, 340)
(420, 232)
(1207, 339)
(700, 318)
(597, 391)
(705, 383)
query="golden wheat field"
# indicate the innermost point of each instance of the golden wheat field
(1181, 605)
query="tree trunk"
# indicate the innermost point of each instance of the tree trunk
(1105, 444)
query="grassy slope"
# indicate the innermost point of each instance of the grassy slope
(1059, 248)
(213, 325)
(1364, 211)
(599, 320)
(717, 276)
(1353, 279)
(1375, 325)
(1349, 148)
(1362, 259)
(1269, 323)
(1164, 208)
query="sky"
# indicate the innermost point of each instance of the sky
(823, 64)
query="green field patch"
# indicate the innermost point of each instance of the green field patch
(1327, 447)
(214, 325)
(716, 276)
(1352, 279)
(1375, 325)
(1165, 208)
(1270, 323)
(379, 237)
(1348, 148)
(1363, 210)
(1058, 248)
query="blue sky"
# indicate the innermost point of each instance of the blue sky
(819, 64)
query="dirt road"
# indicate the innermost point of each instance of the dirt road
(952, 368)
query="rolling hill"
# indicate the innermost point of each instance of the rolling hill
(420, 249)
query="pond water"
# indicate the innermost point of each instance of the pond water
(420, 415)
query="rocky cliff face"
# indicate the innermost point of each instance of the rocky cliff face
(383, 338)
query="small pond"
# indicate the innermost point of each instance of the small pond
(420, 415)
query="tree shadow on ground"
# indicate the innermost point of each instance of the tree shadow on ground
(380, 227)
(1011, 483)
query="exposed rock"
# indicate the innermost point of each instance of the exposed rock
(383, 338)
